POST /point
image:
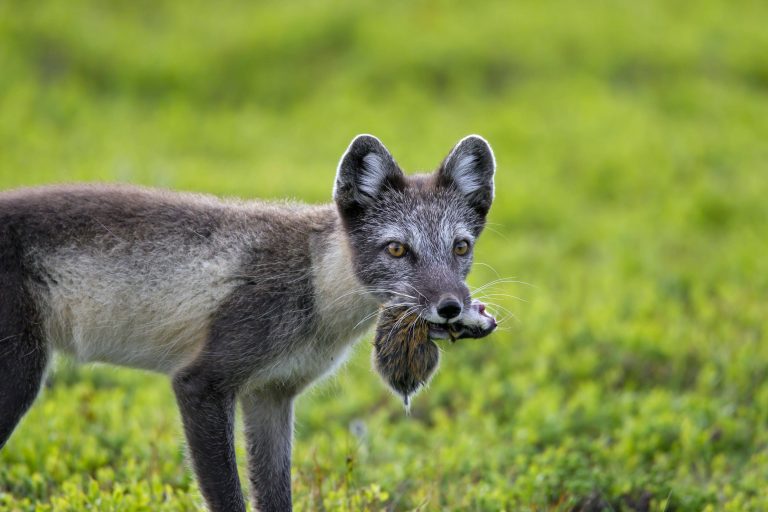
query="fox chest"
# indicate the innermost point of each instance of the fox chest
(337, 328)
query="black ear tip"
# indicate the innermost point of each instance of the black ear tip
(365, 143)
(475, 143)
(479, 147)
(360, 147)
(362, 137)
(475, 139)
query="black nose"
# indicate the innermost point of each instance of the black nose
(449, 307)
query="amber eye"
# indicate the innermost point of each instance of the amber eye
(396, 249)
(461, 247)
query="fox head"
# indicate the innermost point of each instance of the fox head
(412, 238)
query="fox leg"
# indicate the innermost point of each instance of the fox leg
(23, 355)
(22, 365)
(268, 421)
(208, 413)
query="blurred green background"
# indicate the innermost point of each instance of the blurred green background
(631, 196)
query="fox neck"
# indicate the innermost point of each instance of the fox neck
(344, 306)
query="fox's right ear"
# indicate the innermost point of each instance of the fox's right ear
(365, 170)
(469, 169)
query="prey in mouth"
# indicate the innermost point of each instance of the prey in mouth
(476, 322)
(405, 353)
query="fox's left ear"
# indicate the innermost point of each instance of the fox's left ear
(469, 168)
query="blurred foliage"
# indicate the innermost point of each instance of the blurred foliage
(631, 195)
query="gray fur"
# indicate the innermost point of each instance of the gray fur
(236, 299)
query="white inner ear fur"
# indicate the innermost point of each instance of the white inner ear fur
(462, 168)
(372, 175)
(464, 174)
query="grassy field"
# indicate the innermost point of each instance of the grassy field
(631, 196)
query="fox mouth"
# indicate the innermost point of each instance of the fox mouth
(439, 331)
(475, 323)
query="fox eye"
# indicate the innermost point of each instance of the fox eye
(396, 249)
(461, 247)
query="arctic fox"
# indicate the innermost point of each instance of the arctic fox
(235, 301)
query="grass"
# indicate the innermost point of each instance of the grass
(631, 190)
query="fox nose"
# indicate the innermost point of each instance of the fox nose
(448, 307)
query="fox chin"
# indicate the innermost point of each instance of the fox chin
(235, 300)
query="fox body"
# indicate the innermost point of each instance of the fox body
(235, 301)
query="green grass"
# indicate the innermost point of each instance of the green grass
(631, 195)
